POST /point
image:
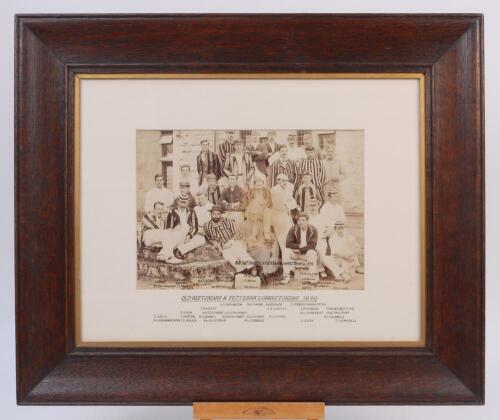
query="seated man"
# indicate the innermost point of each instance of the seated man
(212, 190)
(301, 248)
(233, 200)
(343, 261)
(154, 229)
(308, 196)
(202, 211)
(223, 234)
(183, 236)
(185, 194)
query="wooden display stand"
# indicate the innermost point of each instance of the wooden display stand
(256, 410)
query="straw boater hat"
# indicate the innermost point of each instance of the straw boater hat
(339, 223)
(282, 177)
(184, 184)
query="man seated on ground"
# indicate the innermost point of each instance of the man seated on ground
(183, 236)
(233, 200)
(154, 229)
(343, 261)
(300, 248)
(222, 233)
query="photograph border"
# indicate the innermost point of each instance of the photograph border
(420, 77)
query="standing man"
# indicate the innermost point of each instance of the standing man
(158, 194)
(233, 200)
(295, 152)
(206, 163)
(240, 164)
(183, 237)
(282, 166)
(301, 243)
(272, 147)
(225, 149)
(223, 234)
(279, 217)
(314, 166)
(259, 153)
(334, 170)
(307, 139)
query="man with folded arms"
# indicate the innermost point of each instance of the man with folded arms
(300, 249)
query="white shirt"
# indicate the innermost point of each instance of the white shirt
(343, 246)
(155, 194)
(282, 198)
(203, 213)
(183, 215)
(303, 238)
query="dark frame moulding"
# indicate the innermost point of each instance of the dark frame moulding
(447, 49)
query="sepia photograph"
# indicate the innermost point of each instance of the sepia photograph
(250, 209)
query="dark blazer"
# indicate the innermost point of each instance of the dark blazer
(173, 219)
(259, 156)
(293, 238)
(212, 166)
(229, 197)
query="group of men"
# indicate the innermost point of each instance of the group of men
(263, 205)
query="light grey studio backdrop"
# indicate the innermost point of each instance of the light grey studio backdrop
(491, 10)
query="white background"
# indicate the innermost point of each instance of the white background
(112, 111)
(8, 8)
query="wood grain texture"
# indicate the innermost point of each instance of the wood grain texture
(447, 48)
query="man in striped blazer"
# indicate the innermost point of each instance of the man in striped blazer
(206, 163)
(222, 233)
(183, 236)
(283, 166)
(225, 149)
(240, 164)
(315, 167)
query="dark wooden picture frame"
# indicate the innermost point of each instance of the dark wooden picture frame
(447, 49)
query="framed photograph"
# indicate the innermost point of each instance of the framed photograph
(250, 208)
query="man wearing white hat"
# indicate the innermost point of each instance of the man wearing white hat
(278, 217)
(343, 261)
